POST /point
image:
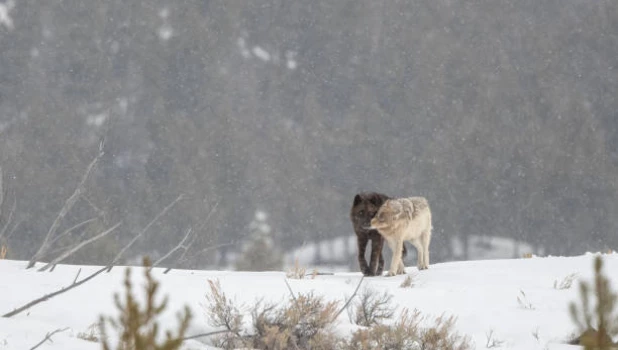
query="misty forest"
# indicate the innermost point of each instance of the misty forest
(224, 134)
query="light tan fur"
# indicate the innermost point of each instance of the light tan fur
(405, 219)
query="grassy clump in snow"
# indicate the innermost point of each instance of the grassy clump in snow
(137, 326)
(307, 322)
(597, 326)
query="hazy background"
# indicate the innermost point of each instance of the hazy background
(271, 115)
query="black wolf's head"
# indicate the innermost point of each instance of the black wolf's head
(364, 208)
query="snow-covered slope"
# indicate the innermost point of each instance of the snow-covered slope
(482, 294)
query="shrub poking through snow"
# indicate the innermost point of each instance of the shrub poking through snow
(566, 282)
(303, 323)
(306, 322)
(597, 326)
(407, 334)
(136, 324)
(372, 308)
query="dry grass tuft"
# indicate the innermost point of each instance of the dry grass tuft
(566, 282)
(408, 282)
(297, 271)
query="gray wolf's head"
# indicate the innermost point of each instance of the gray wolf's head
(391, 211)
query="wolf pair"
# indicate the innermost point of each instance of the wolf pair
(377, 217)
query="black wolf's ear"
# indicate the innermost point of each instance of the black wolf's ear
(378, 199)
(357, 200)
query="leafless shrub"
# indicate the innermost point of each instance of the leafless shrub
(300, 324)
(222, 312)
(372, 308)
(406, 333)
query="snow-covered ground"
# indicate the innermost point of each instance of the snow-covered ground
(339, 252)
(482, 294)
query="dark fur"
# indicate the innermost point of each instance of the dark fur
(364, 208)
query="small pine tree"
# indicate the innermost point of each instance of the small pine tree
(137, 327)
(260, 253)
(599, 338)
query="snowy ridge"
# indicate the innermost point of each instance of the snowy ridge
(482, 294)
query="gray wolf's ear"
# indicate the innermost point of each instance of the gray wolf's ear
(357, 200)
(395, 207)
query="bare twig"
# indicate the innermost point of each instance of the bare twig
(492, 342)
(79, 246)
(68, 205)
(178, 246)
(186, 249)
(126, 247)
(208, 216)
(9, 218)
(51, 295)
(14, 229)
(182, 258)
(206, 334)
(290, 289)
(1, 190)
(76, 276)
(198, 253)
(75, 227)
(347, 303)
(48, 337)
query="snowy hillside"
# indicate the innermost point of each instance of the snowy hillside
(483, 295)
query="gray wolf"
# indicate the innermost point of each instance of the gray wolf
(405, 219)
(364, 208)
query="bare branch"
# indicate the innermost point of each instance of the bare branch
(126, 247)
(189, 244)
(79, 246)
(51, 295)
(14, 229)
(347, 303)
(76, 276)
(182, 257)
(48, 337)
(75, 227)
(206, 334)
(178, 246)
(9, 218)
(200, 252)
(68, 205)
(289, 288)
(208, 216)
(1, 190)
